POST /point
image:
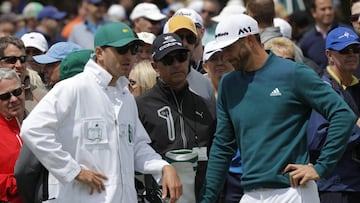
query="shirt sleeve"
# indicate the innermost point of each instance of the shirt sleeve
(321, 97)
(222, 150)
(39, 134)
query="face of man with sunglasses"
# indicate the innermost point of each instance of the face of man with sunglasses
(345, 60)
(188, 39)
(354, 18)
(117, 60)
(12, 99)
(14, 58)
(173, 68)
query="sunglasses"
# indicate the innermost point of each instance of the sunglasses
(13, 59)
(7, 95)
(347, 50)
(190, 38)
(168, 60)
(211, 13)
(354, 17)
(153, 22)
(134, 48)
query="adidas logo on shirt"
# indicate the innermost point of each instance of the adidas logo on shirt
(275, 93)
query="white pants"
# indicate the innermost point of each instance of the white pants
(306, 194)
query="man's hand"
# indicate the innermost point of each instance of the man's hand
(171, 183)
(301, 174)
(93, 179)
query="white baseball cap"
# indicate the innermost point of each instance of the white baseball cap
(285, 27)
(116, 12)
(209, 50)
(147, 10)
(192, 14)
(147, 37)
(36, 40)
(234, 27)
(229, 10)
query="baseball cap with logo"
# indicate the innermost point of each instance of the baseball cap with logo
(36, 40)
(164, 44)
(341, 37)
(51, 12)
(209, 50)
(178, 22)
(234, 27)
(115, 34)
(147, 10)
(57, 52)
(192, 14)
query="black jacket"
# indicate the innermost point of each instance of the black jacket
(177, 120)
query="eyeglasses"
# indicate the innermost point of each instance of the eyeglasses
(354, 50)
(13, 59)
(132, 83)
(168, 60)
(354, 17)
(190, 38)
(7, 95)
(134, 48)
(211, 13)
(33, 52)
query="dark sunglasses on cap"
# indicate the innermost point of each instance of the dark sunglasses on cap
(354, 17)
(7, 95)
(168, 60)
(190, 38)
(354, 50)
(134, 48)
(13, 59)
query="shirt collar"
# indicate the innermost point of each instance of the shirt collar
(333, 75)
(103, 77)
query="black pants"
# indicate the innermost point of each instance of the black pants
(233, 191)
(339, 197)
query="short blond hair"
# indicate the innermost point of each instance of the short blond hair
(145, 75)
(282, 45)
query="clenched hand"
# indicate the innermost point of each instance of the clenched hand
(171, 183)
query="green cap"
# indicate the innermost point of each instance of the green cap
(74, 63)
(115, 34)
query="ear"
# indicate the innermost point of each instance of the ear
(205, 67)
(328, 54)
(99, 57)
(155, 66)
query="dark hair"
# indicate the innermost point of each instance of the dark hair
(258, 38)
(5, 41)
(217, 3)
(263, 11)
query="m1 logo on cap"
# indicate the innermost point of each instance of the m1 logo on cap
(244, 31)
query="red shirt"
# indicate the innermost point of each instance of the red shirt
(10, 144)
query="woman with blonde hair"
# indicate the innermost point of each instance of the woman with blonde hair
(282, 47)
(142, 77)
